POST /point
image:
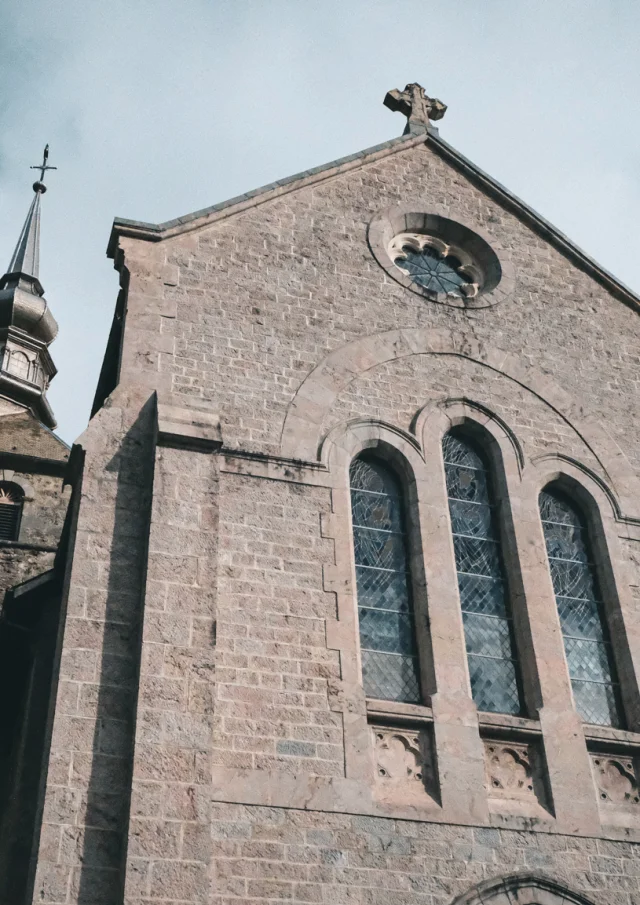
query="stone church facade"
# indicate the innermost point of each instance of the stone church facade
(339, 602)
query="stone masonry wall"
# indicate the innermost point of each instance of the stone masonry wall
(259, 299)
(396, 391)
(278, 855)
(233, 576)
(86, 807)
(18, 565)
(174, 738)
(43, 516)
(273, 664)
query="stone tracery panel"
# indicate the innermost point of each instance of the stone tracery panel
(616, 780)
(404, 763)
(509, 770)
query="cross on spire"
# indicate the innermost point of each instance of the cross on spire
(39, 186)
(416, 105)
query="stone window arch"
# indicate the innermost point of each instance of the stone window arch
(579, 601)
(483, 586)
(522, 888)
(11, 503)
(388, 642)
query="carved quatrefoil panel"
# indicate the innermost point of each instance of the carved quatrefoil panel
(515, 773)
(404, 761)
(616, 781)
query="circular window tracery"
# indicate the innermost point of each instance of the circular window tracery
(443, 260)
(435, 265)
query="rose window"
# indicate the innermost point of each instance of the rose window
(436, 266)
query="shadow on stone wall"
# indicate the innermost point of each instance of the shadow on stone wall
(103, 856)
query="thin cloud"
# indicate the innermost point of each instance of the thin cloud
(156, 108)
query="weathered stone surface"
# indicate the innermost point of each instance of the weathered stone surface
(211, 741)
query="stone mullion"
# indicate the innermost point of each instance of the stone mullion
(620, 610)
(459, 749)
(545, 672)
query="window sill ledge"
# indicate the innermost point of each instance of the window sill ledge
(606, 736)
(394, 710)
(505, 723)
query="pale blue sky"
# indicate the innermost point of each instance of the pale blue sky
(155, 108)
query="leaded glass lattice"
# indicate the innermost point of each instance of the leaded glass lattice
(586, 641)
(387, 632)
(486, 615)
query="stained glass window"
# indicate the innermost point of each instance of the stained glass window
(486, 613)
(430, 270)
(584, 630)
(387, 634)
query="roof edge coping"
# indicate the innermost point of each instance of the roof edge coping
(550, 232)
(155, 232)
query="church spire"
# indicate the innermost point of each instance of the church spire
(27, 326)
(25, 261)
(26, 257)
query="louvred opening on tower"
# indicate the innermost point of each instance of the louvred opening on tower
(11, 499)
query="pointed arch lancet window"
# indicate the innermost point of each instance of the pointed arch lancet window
(387, 631)
(486, 613)
(584, 630)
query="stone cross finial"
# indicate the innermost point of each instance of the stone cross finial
(416, 105)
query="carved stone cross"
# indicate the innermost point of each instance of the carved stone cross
(416, 105)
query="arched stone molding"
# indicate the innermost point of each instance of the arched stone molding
(522, 888)
(340, 447)
(9, 476)
(434, 420)
(440, 632)
(302, 428)
(601, 508)
(593, 491)
(346, 440)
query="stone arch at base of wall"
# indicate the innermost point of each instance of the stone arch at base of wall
(302, 429)
(522, 888)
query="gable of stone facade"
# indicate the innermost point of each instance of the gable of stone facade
(229, 753)
(242, 310)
